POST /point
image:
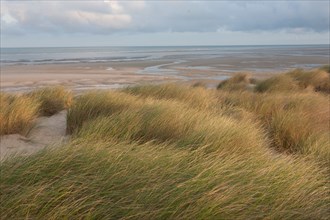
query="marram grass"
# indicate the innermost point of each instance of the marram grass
(178, 152)
(18, 112)
(110, 180)
(52, 99)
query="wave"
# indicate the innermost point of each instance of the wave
(73, 60)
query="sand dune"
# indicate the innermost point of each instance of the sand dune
(48, 131)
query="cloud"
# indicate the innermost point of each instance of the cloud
(107, 17)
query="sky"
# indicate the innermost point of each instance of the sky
(163, 23)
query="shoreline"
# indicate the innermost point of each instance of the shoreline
(109, 75)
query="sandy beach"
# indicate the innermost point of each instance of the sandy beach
(111, 74)
(79, 75)
(47, 132)
(73, 76)
(164, 109)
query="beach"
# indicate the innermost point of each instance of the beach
(80, 69)
(165, 109)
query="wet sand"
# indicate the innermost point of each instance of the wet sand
(80, 77)
(75, 76)
(107, 75)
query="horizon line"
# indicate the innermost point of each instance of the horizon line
(200, 45)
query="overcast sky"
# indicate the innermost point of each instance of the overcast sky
(130, 23)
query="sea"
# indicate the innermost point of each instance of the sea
(318, 54)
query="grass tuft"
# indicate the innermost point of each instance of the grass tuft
(52, 99)
(239, 81)
(176, 152)
(279, 83)
(317, 80)
(109, 180)
(325, 68)
(94, 104)
(17, 113)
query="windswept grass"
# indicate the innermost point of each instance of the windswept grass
(111, 180)
(178, 152)
(296, 119)
(199, 84)
(239, 81)
(297, 80)
(18, 112)
(277, 83)
(196, 97)
(291, 120)
(325, 68)
(172, 122)
(52, 99)
(317, 80)
(94, 104)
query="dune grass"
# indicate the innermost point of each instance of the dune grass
(52, 99)
(112, 180)
(239, 81)
(94, 104)
(317, 80)
(179, 152)
(197, 97)
(296, 117)
(172, 122)
(277, 83)
(18, 112)
(325, 68)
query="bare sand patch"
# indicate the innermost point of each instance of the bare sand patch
(47, 131)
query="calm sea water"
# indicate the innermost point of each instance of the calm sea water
(28, 56)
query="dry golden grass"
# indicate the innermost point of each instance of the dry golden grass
(17, 114)
(279, 83)
(94, 104)
(317, 80)
(109, 180)
(325, 68)
(239, 81)
(196, 97)
(52, 99)
(176, 152)
(172, 122)
(297, 80)
(296, 122)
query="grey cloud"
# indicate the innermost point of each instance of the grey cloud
(106, 17)
(237, 16)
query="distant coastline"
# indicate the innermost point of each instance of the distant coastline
(112, 67)
(46, 55)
